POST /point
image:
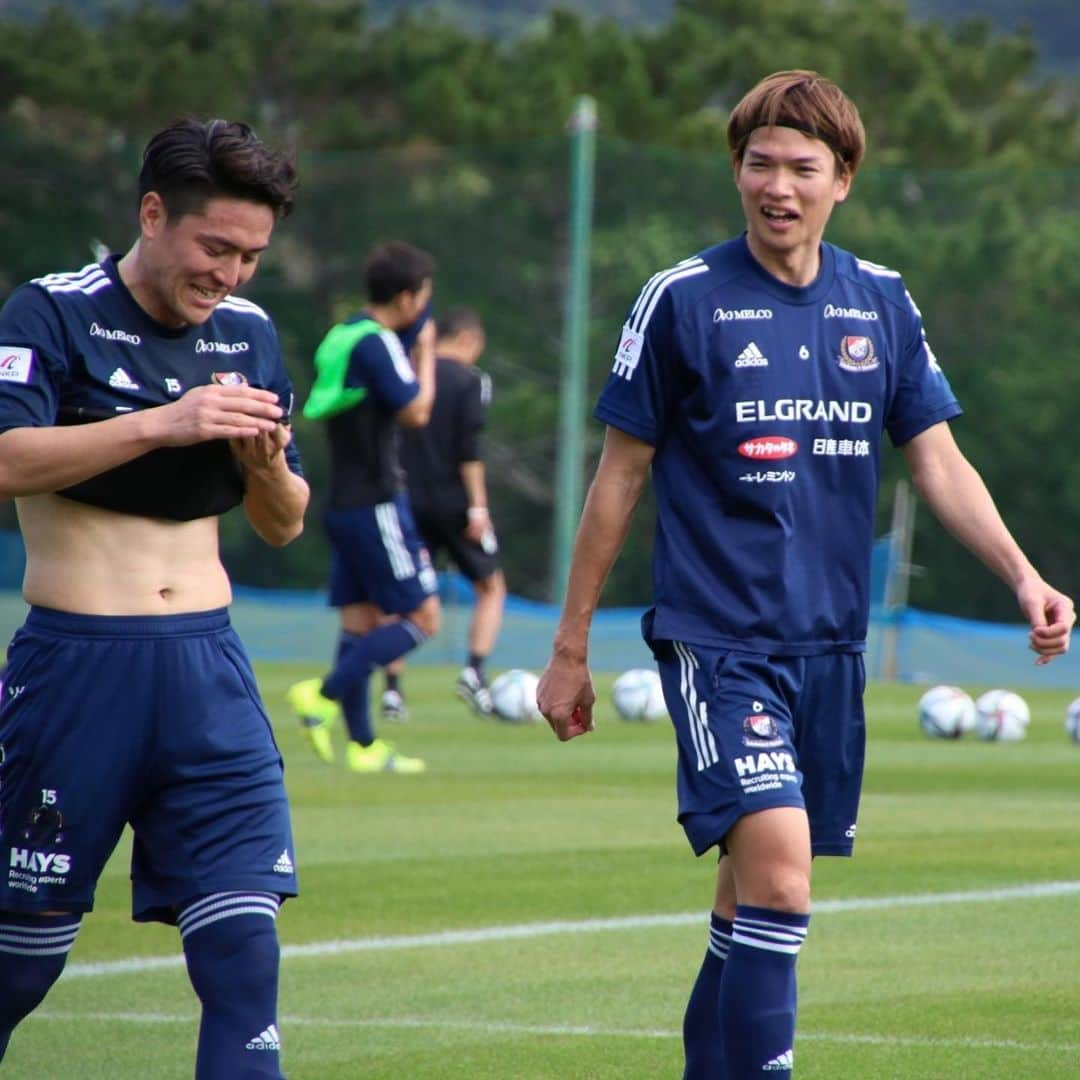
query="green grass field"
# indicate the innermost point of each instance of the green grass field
(530, 909)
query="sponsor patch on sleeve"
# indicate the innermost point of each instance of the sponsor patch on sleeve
(16, 363)
(628, 353)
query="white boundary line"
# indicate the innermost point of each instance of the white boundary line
(522, 931)
(558, 1030)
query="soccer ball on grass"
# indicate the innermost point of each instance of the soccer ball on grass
(1072, 720)
(946, 712)
(638, 695)
(513, 697)
(1002, 716)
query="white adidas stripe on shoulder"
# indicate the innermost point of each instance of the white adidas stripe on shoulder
(244, 307)
(88, 280)
(654, 288)
(876, 268)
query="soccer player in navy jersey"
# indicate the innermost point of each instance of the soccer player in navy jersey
(367, 387)
(755, 380)
(139, 400)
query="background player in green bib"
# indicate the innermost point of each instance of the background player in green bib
(755, 380)
(141, 399)
(366, 389)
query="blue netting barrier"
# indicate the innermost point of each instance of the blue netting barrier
(911, 646)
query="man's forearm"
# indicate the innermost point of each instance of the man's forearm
(34, 461)
(605, 521)
(275, 499)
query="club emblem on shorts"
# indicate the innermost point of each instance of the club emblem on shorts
(229, 378)
(759, 729)
(857, 353)
(44, 827)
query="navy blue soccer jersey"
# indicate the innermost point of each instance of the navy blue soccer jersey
(77, 347)
(766, 404)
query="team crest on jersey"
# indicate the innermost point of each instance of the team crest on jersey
(229, 378)
(857, 353)
(759, 729)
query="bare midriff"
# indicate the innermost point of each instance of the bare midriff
(91, 561)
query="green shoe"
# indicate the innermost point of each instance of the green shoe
(380, 756)
(317, 713)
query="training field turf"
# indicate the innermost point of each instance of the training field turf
(530, 909)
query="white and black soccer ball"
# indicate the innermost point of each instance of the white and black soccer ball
(638, 695)
(946, 712)
(1001, 716)
(1072, 720)
(513, 696)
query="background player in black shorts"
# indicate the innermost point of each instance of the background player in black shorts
(445, 476)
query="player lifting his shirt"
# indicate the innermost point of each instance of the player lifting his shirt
(139, 400)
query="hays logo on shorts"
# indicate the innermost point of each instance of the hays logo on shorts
(15, 364)
(766, 771)
(28, 869)
(628, 353)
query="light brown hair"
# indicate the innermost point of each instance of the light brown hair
(808, 102)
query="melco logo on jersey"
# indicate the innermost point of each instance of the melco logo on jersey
(221, 346)
(114, 335)
(740, 314)
(834, 312)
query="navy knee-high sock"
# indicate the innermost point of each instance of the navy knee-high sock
(357, 656)
(703, 1042)
(231, 947)
(33, 951)
(758, 993)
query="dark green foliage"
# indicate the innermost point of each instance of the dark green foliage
(409, 124)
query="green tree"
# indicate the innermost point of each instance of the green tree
(418, 128)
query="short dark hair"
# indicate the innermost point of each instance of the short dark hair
(808, 102)
(457, 320)
(192, 161)
(396, 267)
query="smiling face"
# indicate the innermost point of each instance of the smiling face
(187, 266)
(789, 183)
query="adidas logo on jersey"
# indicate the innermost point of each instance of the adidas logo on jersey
(267, 1039)
(284, 864)
(780, 1063)
(751, 356)
(121, 380)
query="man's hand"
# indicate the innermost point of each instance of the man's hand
(216, 412)
(477, 524)
(425, 341)
(566, 697)
(1051, 615)
(260, 452)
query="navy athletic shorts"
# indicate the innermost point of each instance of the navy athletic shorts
(755, 732)
(154, 721)
(477, 560)
(377, 557)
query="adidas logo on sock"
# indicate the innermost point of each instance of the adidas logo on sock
(268, 1039)
(780, 1063)
(121, 380)
(751, 356)
(284, 863)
